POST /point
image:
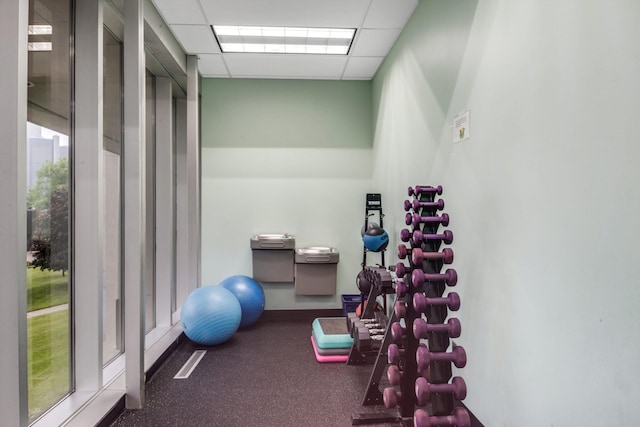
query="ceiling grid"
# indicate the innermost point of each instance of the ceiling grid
(378, 24)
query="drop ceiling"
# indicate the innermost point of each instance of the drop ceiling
(378, 24)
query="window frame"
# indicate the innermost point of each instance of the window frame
(97, 387)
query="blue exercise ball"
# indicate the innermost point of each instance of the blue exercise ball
(210, 315)
(375, 239)
(249, 294)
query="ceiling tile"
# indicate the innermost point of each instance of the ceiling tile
(389, 14)
(373, 42)
(362, 68)
(303, 13)
(196, 38)
(285, 65)
(378, 23)
(181, 12)
(212, 66)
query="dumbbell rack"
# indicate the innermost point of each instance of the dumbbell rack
(381, 284)
(423, 283)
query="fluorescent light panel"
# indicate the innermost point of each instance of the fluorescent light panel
(324, 41)
(39, 46)
(40, 30)
(36, 30)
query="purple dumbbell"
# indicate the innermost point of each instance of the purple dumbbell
(394, 375)
(405, 235)
(403, 251)
(415, 219)
(423, 189)
(394, 354)
(417, 204)
(397, 332)
(423, 356)
(421, 328)
(418, 255)
(420, 302)
(418, 277)
(391, 397)
(401, 270)
(401, 289)
(460, 418)
(418, 237)
(400, 309)
(423, 389)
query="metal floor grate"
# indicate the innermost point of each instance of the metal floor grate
(190, 365)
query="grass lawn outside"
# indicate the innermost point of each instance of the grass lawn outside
(47, 340)
(48, 360)
(46, 288)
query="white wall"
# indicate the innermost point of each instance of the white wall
(543, 198)
(284, 157)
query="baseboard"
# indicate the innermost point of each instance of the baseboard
(119, 407)
(299, 315)
(165, 354)
(113, 414)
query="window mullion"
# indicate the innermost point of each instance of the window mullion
(13, 294)
(88, 196)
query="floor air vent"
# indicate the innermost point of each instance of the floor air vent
(190, 365)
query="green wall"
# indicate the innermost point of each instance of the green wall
(284, 157)
(543, 197)
(286, 113)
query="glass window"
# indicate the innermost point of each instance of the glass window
(48, 204)
(150, 266)
(112, 344)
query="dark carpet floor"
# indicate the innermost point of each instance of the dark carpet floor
(266, 375)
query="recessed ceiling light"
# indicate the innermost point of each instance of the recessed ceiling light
(252, 39)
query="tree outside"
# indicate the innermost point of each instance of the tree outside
(49, 178)
(50, 198)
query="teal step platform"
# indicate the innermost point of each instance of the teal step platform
(331, 332)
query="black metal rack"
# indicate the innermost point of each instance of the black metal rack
(373, 204)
